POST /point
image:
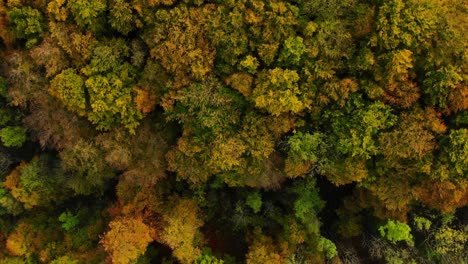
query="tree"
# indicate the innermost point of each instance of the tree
(87, 173)
(121, 17)
(413, 137)
(277, 91)
(358, 126)
(13, 136)
(449, 241)
(109, 85)
(457, 151)
(127, 239)
(27, 24)
(440, 83)
(31, 184)
(111, 102)
(263, 250)
(401, 25)
(180, 231)
(292, 51)
(49, 55)
(69, 221)
(21, 241)
(305, 151)
(181, 46)
(141, 157)
(9, 203)
(69, 88)
(254, 201)
(88, 14)
(75, 43)
(396, 231)
(445, 195)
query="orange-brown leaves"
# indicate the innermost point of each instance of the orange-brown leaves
(55, 127)
(76, 44)
(414, 137)
(390, 197)
(444, 195)
(458, 99)
(144, 100)
(28, 239)
(395, 78)
(12, 181)
(49, 55)
(139, 156)
(5, 34)
(402, 94)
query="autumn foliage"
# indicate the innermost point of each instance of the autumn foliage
(247, 131)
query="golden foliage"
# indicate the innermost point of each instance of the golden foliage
(241, 82)
(263, 250)
(127, 239)
(57, 10)
(181, 229)
(20, 242)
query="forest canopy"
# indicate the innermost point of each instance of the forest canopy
(249, 131)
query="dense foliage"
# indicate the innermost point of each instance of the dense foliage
(248, 131)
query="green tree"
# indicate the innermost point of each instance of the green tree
(396, 231)
(27, 24)
(69, 221)
(89, 14)
(254, 201)
(13, 136)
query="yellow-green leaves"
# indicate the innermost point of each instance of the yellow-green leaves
(277, 91)
(121, 17)
(69, 88)
(27, 23)
(450, 241)
(396, 231)
(292, 51)
(401, 24)
(111, 103)
(88, 13)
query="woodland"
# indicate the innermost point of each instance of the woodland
(233, 131)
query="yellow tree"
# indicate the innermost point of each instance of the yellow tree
(180, 232)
